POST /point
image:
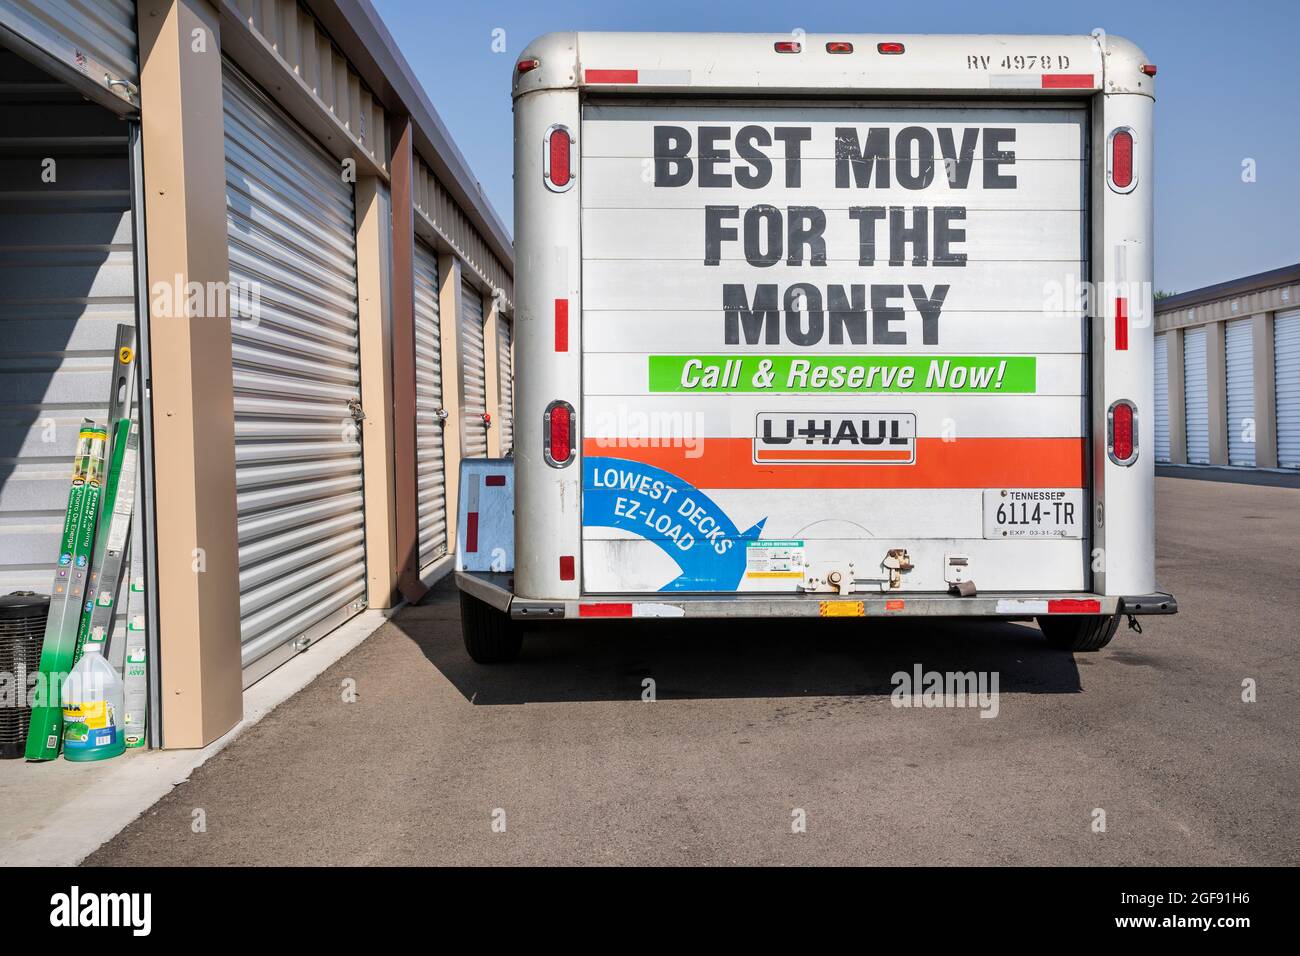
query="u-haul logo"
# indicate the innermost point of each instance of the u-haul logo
(836, 438)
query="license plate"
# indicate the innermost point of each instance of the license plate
(1033, 513)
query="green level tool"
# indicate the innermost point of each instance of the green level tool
(60, 643)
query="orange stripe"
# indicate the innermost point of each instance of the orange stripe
(838, 454)
(965, 463)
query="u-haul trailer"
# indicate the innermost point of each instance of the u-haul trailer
(829, 326)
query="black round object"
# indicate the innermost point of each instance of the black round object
(22, 631)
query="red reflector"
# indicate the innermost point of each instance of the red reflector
(566, 567)
(471, 531)
(559, 433)
(1121, 325)
(524, 66)
(892, 48)
(604, 610)
(1068, 81)
(1121, 433)
(558, 150)
(494, 481)
(610, 76)
(787, 46)
(1149, 69)
(1073, 606)
(561, 325)
(839, 46)
(1121, 159)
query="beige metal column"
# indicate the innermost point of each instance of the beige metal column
(491, 372)
(1177, 400)
(1261, 328)
(1216, 371)
(192, 385)
(449, 309)
(376, 394)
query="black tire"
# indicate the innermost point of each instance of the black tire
(1078, 632)
(491, 636)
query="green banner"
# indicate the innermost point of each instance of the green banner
(973, 374)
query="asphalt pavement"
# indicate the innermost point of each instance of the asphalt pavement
(778, 743)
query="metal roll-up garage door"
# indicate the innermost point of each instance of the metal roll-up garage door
(1286, 370)
(506, 384)
(88, 43)
(297, 381)
(1196, 386)
(473, 374)
(430, 465)
(1162, 398)
(67, 281)
(1240, 360)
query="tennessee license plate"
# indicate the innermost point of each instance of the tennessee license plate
(1033, 513)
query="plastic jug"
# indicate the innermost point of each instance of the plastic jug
(92, 708)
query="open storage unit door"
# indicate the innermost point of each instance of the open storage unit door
(430, 423)
(69, 281)
(294, 323)
(1162, 397)
(1286, 371)
(506, 383)
(745, 339)
(1196, 395)
(1239, 344)
(473, 374)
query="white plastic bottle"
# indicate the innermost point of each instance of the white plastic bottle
(92, 708)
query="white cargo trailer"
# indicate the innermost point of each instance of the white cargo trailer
(828, 326)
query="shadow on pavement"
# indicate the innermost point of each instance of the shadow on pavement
(702, 659)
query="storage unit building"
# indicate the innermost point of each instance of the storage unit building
(316, 264)
(1227, 374)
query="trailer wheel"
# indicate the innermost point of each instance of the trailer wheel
(491, 636)
(1078, 632)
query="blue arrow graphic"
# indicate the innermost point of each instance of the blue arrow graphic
(681, 520)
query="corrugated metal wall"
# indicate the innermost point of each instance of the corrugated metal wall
(506, 383)
(306, 50)
(1239, 345)
(1196, 396)
(446, 218)
(96, 38)
(473, 374)
(1162, 397)
(430, 463)
(67, 275)
(297, 449)
(1286, 370)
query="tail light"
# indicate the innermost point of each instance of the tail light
(557, 433)
(1119, 160)
(528, 65)
(787, 46)
(1122, 432)
(557, 159)
(839, 46)
(892, 49)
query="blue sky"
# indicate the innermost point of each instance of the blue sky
(1227, 88)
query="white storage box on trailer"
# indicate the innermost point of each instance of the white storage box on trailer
(831, 326)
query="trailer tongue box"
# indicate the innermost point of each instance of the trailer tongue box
(848, 319)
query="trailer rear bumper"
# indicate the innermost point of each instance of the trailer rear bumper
(496, 589)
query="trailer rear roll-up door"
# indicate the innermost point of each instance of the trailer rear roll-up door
(431, 481)
(1286, 357)
(295, 341)
(473, 374)
(1240, 358)
(1162, 397)
(791, 366)
(1196, 395)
